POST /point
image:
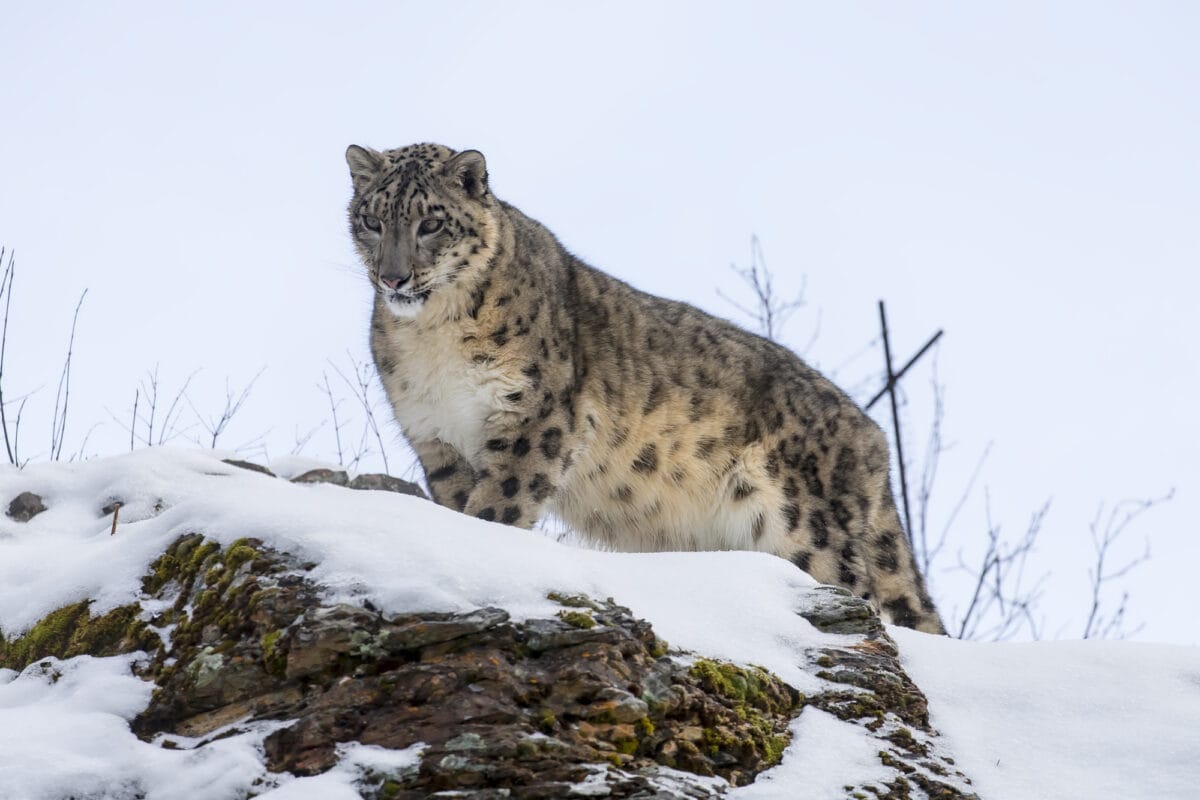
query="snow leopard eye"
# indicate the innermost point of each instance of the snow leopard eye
(371, 223)
(429, 226)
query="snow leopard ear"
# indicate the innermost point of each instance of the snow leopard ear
(364, 165)
(468, 169)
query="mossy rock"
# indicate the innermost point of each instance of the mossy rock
(574, 600)
(758, 698)
(72, 631)
(578, 619)
(253, 638)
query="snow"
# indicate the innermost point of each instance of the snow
(825, 756)
(354, 762)
(1066, 719)
(1042, 720)
(64, 733)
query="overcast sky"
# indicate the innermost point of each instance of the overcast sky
(1025, 177)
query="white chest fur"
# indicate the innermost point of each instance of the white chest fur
(439, 392)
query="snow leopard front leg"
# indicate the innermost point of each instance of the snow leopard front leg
(521, 469)
(450, 476)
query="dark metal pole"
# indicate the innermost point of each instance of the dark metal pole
(903, 370)
(891, 389)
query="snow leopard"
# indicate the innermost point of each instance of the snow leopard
(528, 382)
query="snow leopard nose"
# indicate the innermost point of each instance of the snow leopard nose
(395, 263)
(393, 280)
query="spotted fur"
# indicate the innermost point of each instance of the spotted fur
(528, 381)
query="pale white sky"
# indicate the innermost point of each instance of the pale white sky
(1025, 177)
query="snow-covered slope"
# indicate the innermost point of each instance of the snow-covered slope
(1027, 721)
(1082, 719)
(400, 552)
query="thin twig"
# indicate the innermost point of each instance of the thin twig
(169, 431)
(58, 425)
(78, 455)
(215, 426)
(962, 498)
(302, 441)
(333, 407)
(361, 387)
(6, 284)
(1120, 516)
(133, 421)
(17, 434)
(769, 312)
(1000, 597)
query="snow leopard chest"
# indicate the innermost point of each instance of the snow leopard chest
(439, 392)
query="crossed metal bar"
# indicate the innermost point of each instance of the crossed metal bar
(890, 389)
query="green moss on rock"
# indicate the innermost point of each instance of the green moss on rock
(573, 600)
(182, 562)
(239, 553)
(72, 630)
(578, 619)
(758, 698)
(274, 656)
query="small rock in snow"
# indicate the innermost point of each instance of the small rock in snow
(337, 477)
(234, 462)
(25, 507)
(386, 483)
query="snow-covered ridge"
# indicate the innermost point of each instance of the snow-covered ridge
(399, 552)
(1047, 720)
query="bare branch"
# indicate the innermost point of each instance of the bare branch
(1119, 517)
(78, 455)
(361, 389)
(58, 424)
(966, 492)
(254, 447)
(144, 415)
(333, 411)
(215, 426)
(169, 430)
(17, 434)
(981, 576)
(6, 283)
(168, 426)
(769, 313)
(1001, 603)
(133, 417)
(302, 441)
(413, 472)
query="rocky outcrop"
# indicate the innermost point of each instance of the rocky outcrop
(868, 687)
(589, 700)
